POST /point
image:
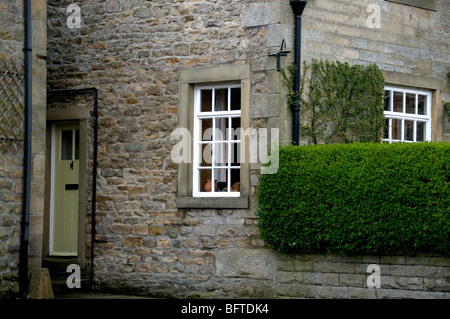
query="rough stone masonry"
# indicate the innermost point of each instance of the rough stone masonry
(133, 52)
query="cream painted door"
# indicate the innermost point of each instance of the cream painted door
(64, 237)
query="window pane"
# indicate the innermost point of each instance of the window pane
(221, 100)
(421, 131)
(386, 129)
(220, 175)
(410, 103)
(236, 126)
(387, 100)
(235, 154)
(235, 179)
(206, 100)
(66, 145)
(206, 183)
(205, 155)
(422, 103)
(409, 130)
(398, 102)
(235, 99)
(396, 129)
(221, 154)
(221, 131)
(206, 131)
(77, 144)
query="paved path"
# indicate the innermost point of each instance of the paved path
(96, 295)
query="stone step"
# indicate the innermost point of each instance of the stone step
(57, 267)
(58, 264)
(60, 286)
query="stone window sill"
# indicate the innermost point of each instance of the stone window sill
(209, 202)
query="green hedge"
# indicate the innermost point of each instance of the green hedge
(358, 199)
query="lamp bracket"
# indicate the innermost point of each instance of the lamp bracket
(282, 52)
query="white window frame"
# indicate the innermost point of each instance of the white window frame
(403, 116)
(198, 116)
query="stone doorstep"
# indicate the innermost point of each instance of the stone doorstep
(57, 267)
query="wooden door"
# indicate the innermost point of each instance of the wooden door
(64, 226)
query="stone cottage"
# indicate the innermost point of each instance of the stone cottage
(119, 85)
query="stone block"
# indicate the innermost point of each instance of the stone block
(359, 43)
(396, 260)
(313, 278)
(265, 105)
(6, 184)
(286, 264)
(139, 229)
(296, 290)
(40, 284)
(286, 277)
(277, 32)
(428, 261)
(352, 280)
(247, 263)
(204, 230)
(260, 13)
(437, 284)
(163, 243)
(330, 279)
(407, 294)
(408, 51)
(353, 293)
(417, 271)
(132, 241)
(330, 267)
(412, 283)
(121, 229)
(307, 266)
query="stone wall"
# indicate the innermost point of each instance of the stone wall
(133, 52)
(410, 41)
(11, 164)
(11, 172)
(338, 277)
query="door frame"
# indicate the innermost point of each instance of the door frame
(71, 116)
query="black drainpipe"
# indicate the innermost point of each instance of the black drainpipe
(23, 262)
(94, 93)
(297, 7)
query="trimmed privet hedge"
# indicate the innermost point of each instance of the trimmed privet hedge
(358, 199)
